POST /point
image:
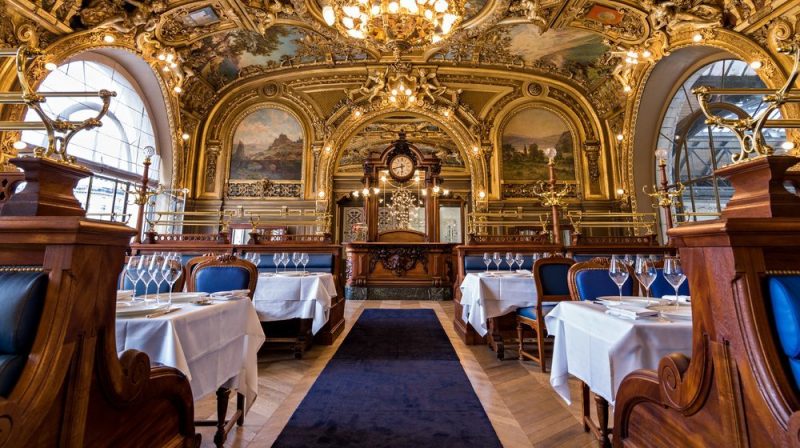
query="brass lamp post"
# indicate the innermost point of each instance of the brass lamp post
(552, 196)
(142, 196)
(664, 198)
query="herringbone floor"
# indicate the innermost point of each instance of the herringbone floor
(523, 408)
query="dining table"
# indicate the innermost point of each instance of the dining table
(600, 349)
(486, 295)
(295, 295)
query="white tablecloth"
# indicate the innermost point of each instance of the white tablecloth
(307, 297)
(601, 350)
(214, 345)
(484, 297)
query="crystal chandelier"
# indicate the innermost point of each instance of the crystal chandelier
(395, 24)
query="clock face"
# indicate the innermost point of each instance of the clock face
(401, 167)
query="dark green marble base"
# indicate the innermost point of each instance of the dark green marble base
(373, 293)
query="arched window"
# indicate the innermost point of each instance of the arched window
(113, 151)
(697, 149)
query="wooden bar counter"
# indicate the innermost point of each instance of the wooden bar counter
(399, 270)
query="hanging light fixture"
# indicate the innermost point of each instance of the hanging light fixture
(396, 25)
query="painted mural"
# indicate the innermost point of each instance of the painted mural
(525, 137)
(267, 144)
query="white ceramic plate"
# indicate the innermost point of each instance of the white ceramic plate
(179, 297)
(139, 309)
(672, 313)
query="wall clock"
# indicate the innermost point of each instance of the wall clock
(401, 168)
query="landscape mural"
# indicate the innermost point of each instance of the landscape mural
(526, 135)
(268, 144)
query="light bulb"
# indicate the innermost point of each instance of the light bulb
(620, 191)
(446, 192)
(620, 137)
(327, 148)
(161, 57)
(697, 37)
(408, 92)
(626, 89)
(50, 66)
(185, 136)
(429, 15)
(355, 193)
(394, 7)
(348, 23)
(352, 11)
(376, 190)
(375, 10)
(440, 6)
(357, 113)
(647, 53)
(475, 149)
(787, 145)
(329, 15)
(365, 191)
(481, 194)
(755, 65)
(109, 39)
(424, 192)
(436, 188)
(383, 178)
(19, 145)
(321, 194)
(662, 154)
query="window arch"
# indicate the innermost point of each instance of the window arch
(697, 149)
(114, 152)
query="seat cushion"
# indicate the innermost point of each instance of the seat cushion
(554, 279)
(10, 369)
(221, 278)
(784, 294)
(22, 300)
(530, 311)
(661, 286)
(594, 283)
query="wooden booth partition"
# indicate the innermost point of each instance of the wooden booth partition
(74, 390)
(398, 270)
(500, 328)
(736, 389)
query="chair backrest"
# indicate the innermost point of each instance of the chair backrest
(22, 300)
(784, 296)
(589, 280)
(223, 273)
(550, 275)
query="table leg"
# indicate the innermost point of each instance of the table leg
(223, 393)
(519, 337)
(602, 417)
(495, 338)
(587, 411)
(240, 408)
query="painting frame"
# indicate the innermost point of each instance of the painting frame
(569, 125)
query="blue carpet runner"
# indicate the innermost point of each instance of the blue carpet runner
(396, 381)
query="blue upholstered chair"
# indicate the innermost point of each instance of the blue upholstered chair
(589, 280)
(550, 275)
(473, 263)
(222, 273)
(784, 296)
(22, 301)
(661, 286)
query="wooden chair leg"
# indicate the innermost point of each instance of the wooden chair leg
(519, 337)
(540, 342)
(602, 417)
(587, 410)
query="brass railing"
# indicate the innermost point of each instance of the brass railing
(634, 224)
(498, 222)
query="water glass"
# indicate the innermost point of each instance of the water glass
(520, 259)
(304, 258)
(285, 259)
(132, 271)
(296, 259)
(487, 260)
(276, 260)
(497, 260)
(674, 275)
(509, 260)
(170, 271)
(143, 268)
(618, 271)
(646, 273)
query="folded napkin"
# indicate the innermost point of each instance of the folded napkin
(681, 299)
(523, 271)
(631, 312)
(235, 292)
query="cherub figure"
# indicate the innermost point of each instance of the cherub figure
(373, 87)
(429, 85)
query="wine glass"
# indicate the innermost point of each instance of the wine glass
(618, 271)
(170, 271)
(536, 256)
(497, 260)
(285, 258)
(296, 259)
(520, 259)
(487, 260)
(673, 273)
(646, 273)
(155, 273)
(255, 258)
(132, 272)
(144, 273)
(509, 260)
(276, 260)
(629, 260)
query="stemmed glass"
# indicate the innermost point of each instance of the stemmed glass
(618, 271)
(629, 260)
(536, 256)
(285, 260)
(132, 271)
(304, 258)
(170, 272)
(296, 259)
(497, 260)
(509, 260)
(276, 260)
(646, 273)
(519, 259)
(144, 273)
(673, 273)
(155, 273)
(487, 260)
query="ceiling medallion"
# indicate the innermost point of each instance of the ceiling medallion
(395, 25)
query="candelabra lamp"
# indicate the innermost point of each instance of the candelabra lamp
(142, 196)
(663, 196)
(550, 195)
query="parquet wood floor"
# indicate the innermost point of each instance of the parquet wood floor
(517, 397)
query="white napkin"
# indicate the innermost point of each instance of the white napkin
(631, 312)
(523, 271)
(235, 292)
